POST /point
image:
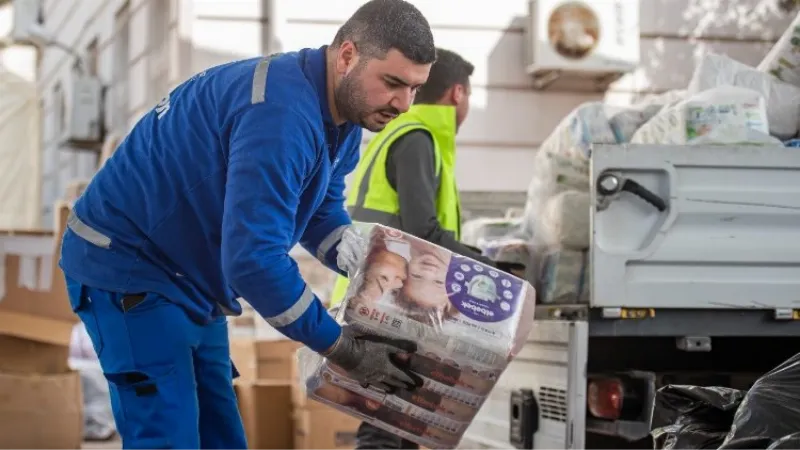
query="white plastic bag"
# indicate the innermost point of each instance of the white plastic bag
(783, 60)
(564, 220)
(782, 99)
(624, 122)
(468, 319)
(574, 135)
(552, 173)
(722, 115)
(564, 277)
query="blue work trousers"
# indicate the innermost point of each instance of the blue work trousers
(170, 379)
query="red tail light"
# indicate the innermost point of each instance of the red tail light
(605, 397)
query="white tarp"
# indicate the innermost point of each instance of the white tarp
(20, 153)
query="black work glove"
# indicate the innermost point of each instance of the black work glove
(372, 360)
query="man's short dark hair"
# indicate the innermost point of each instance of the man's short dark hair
(381, 25)
(448, 70)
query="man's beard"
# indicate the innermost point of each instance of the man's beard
(352, 104)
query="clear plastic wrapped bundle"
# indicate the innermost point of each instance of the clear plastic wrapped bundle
(782, 99)
(722, 115)
(468, 319)
(552, 174)
(564, 277)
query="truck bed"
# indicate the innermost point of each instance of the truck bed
(729, 238)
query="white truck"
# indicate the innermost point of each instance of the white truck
(695, 279)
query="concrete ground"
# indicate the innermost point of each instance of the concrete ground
(113, 443)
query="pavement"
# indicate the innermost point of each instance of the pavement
(113, 443)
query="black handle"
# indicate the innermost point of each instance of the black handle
(645, 194)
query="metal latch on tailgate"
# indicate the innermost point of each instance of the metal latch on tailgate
(610, 185)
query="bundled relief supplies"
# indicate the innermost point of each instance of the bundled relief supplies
(782, 99)
(625, 121)
(564, 220)
(722, 115)
(564, 277)
(574, 135)
(468, 320)
(783, 60)
(552, 173)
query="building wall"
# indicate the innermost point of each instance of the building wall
(133, 46)
(137, 49)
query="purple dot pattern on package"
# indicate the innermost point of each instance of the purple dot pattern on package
(480, 292)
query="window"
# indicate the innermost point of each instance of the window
(59, 110)
(92, 56)
(121, 52)
(159, 49)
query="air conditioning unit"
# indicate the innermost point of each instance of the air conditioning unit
(581, 44)
(26, 13)
(83, 124)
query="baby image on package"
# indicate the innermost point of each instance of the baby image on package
(467, 318)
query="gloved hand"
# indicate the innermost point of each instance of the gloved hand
(371, 360)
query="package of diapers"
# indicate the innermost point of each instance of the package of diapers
(564, 277)
(722, 115)
(564, 220)
(782, 99)
(783, 60)
(552, 174)
(575, 134)
(468, 319)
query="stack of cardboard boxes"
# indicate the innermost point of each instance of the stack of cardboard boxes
(41, 404)
(274, 407)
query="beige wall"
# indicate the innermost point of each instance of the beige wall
(509, 119)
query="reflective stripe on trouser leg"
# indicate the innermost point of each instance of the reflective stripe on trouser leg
(294, 312)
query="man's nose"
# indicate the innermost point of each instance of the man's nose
(403, 100)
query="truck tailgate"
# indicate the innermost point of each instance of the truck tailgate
(728, 238)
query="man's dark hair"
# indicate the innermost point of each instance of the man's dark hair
(381, 25)
(448, 70)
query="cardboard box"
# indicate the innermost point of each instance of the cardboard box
(266, 410)
(263, 360)
(41, 411)
(322, 427)
(35, 305)
(22, 356)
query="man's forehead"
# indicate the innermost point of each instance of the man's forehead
(395, 65)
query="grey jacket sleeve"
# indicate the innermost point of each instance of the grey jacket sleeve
(411, 170)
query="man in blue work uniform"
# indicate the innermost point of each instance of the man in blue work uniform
(202, 203)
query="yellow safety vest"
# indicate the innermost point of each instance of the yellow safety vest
(372, 198)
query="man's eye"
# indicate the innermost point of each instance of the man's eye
(392, 84)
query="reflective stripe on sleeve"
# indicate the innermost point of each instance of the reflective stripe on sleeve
(292, 314)
(330, 240)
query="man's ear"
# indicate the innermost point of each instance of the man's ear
(346, 58)
(458, 94)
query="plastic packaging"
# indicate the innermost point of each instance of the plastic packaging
(771, 408)
(691, 417)
(552, 174)
(98, 418)
(468, 319)
(722, 115)
(783, 60)
(585, 125)
(564, 277)
(564, 220)
(782, 99)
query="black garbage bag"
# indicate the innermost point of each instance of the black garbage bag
(693, 417)
(771, 408)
